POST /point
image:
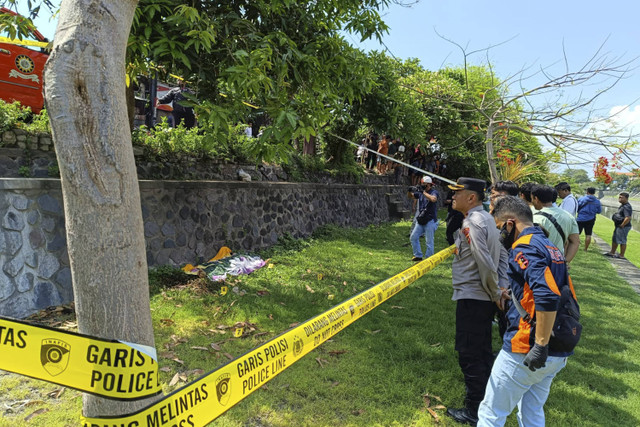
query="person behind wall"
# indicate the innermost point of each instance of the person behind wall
(588, 207)
(181, 113)
(426, 220)
(475, 274)
(525, 367)
(372, 145)
(621, 230)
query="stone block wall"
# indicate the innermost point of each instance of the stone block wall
(184, 221)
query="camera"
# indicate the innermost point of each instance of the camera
(416, 189)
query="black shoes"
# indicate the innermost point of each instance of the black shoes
(416, 258)
(463, 416)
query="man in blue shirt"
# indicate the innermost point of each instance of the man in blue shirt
(525, 367)
(426, 218)
(588, 207)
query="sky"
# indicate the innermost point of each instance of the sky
(527, 34)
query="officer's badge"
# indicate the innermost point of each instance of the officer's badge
(54, 356)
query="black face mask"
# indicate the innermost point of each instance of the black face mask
(507, 238)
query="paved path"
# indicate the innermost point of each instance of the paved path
(625, 269)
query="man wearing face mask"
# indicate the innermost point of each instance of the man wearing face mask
(476, 290)
(525, 367)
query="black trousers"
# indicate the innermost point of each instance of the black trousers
(473, 344)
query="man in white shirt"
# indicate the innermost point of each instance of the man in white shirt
(569, 202)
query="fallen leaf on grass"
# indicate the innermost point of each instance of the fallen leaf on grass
(175, 359)
(344, 283)
(165, 369)
(439, 407)
(330, 296)
(337, 352)
(335, 383)
(322, 362)
(166, 322)
(309, 289)
(55, 394)
(36, 413)
(200, 348)
(294, 324)
(196, 372)
(216, 347)
(180, 376)
(431, 396)
(228, 356)
(270, 316)
(434, 415)
(398, 307)
(358, 412)
(382, 311)
(270, 266)
(263, 293)
(320, 276)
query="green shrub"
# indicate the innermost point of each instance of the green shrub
(163, 140)
(13, 115)
(39, 123)
(24, 171)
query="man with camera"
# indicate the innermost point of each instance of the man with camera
(426, 221)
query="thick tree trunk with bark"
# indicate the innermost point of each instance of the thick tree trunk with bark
(85, 98)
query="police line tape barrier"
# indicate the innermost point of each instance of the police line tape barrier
(31, 43)
(107, 368)
(208, 397)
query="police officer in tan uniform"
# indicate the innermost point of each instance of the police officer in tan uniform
(476, 271)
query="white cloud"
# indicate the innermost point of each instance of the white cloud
(627, 117)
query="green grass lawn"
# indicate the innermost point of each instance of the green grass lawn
(603, 228)
(378, 370)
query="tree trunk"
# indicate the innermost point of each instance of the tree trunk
(85, 98)
(491, 157)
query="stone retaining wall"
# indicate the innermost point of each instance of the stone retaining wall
(184, 221)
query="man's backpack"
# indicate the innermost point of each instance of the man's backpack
(567, 328)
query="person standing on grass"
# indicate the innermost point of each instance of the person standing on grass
(525, 367)
(569, 202)
(588, 207)
(428, 205)
(476, 290)
(560, 224)
(621, 229)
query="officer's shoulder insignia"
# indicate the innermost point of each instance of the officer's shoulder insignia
(522, 261)
(465, 231)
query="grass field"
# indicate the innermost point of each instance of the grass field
(394, 367)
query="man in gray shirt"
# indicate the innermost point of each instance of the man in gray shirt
(476, 272)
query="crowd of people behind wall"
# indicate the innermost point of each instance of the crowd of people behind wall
(421, 157)
(512, 263)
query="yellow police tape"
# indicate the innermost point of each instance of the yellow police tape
(205, 399)
(32, 43)
(111, 369)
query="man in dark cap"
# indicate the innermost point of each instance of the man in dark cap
(476, 274)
